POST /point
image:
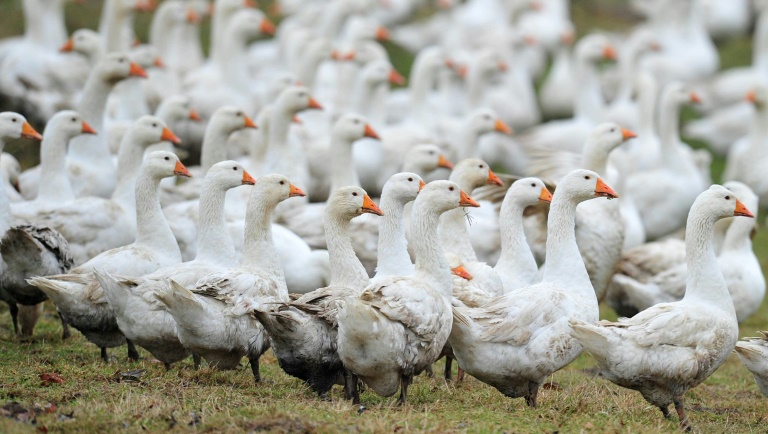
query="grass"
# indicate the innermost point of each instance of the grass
(95, 397)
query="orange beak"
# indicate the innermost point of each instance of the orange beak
(396, 78)
(626, 134)
(137, 71)
(695, 98)
(501, 127)
(545, 195)
(313, 104)
(295, 191)
(168, 136)
(295, 119)
(181, 170)
(267, 27)
(158, 62)
(87, 129)
(751, 97)
(68, 46)
(567, 38)
(461, 272)
(461, 71)
(249, 123)
(192, 16)
(370, 207)
(493, 179)
(535, 5)
(335, 55)
(248, 179)
(29, 133)
(369, 132)
(609, 53)
(194, 116)
(443, 162)
(742, 210)
(529, 40)
(382, 34)
(249, 4)
(422, 184)
(465, 200)
(145, 6)
(603, 190)
(449, 63)
(503, 67)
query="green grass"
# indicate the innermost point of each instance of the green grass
(92, 399)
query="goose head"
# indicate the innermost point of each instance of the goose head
(457, 266)
(528, 192)
(758, 96)
(473, 173)
(249, 24)
(347, 203)
(744, 193)
(360, 28)
(403, 187)
(175, 109)
(85, 42)
(296, 98)
(229, 119)
(148, 130)
(607, 136)
(273, 189)
(580, 185)
(442, 196)
(116, 67)
(352, 127)
(489, 63)
(380, 71)
(678, 94)
(146, 57)
(164, 164)
(228, 174)
(595, 47)
(279, 83)
(426, 158)
(15, 126)
(227, 8)
(719, 202)
(483, 121)
(69, 124)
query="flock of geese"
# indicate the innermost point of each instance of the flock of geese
(135, 248)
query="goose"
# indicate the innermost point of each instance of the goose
(10, 169)
(86, 43)
(56, 191)
(517, 340)
(221, 299)
(557, 93)
(664, 194)
(27, 249)
(94, 224)
(738, 263)
(303, 331)
(82, 300)
(671, 348)
(753, 353)
(88, 159)
(411, 313)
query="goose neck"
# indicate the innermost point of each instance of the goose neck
(152, 229)
(92, 106)
(760, 42)
(589, 101)
(564, 262)
(214, 147)
(214, 242)
(516, 256)
(393, 257)
(113, 25)
(56, 187)
(221, 18)
(259, 248)
(738, 236)
(346, 269)
(129, 159)
(647, 103)
(467, 142)
(758, 132)
(669, 131)
(5, 205)
(705, 281)
(344, 172)
(594, 158)
(161, 29)
(234, 69)
(431, 265)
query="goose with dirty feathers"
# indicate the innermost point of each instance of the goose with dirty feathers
(213, 316)
(27, 250)
(517, 340)
(412, 314)
(670, 348)
(753, 352)
(303, 332)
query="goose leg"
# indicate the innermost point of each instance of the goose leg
(133, 353)
(167, 366)
(255, 369)
(429, 371)
(448, 364)
(460, 375)
(405, 381)
(665, 412)
(680, 408)
(533, 395)
(104, 355)
(65, 333)
(14, 310)
(196, 360)
(350, 387)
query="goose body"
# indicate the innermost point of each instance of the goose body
(753, 352)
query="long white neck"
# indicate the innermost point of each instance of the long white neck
(344, 173)
(516, 257)
(258, 248)
(453, 232)
(307, 69)
(627, 68)
(705, 281)
(129, 159)
(214, 147)
(431, 265)
(467, 141)
(132, 104)
(393, 257)
(589, 102)
(214, 243)
(346, 269)
(594, 158)
(758, 132)
(738, 237)
(5, 207)
(669, 133)
(234, 69)
(152, 229)
(221, 19)
(56, 188)
(161, 29)
(91, 108)
(476, 83)
(112, 27)
(564, 263)
(760, 42)
(647, 103)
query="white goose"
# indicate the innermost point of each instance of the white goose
(78, 295)
(411, 313)
(221, 300)
(515, 342)
(747, 157)
(671, 348)
(753, 352)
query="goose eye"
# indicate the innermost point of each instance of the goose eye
(354, 193)
(613, 130)
(239, 114)
(282, 182)
(167, 158)
(586, 176)
(74, 120)
(154, 125)
(481, 166)
(14, 119)
(450, 188)
(410, 179)
(533, 185)
(727, 197)
(431, 152)
(234, 168)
